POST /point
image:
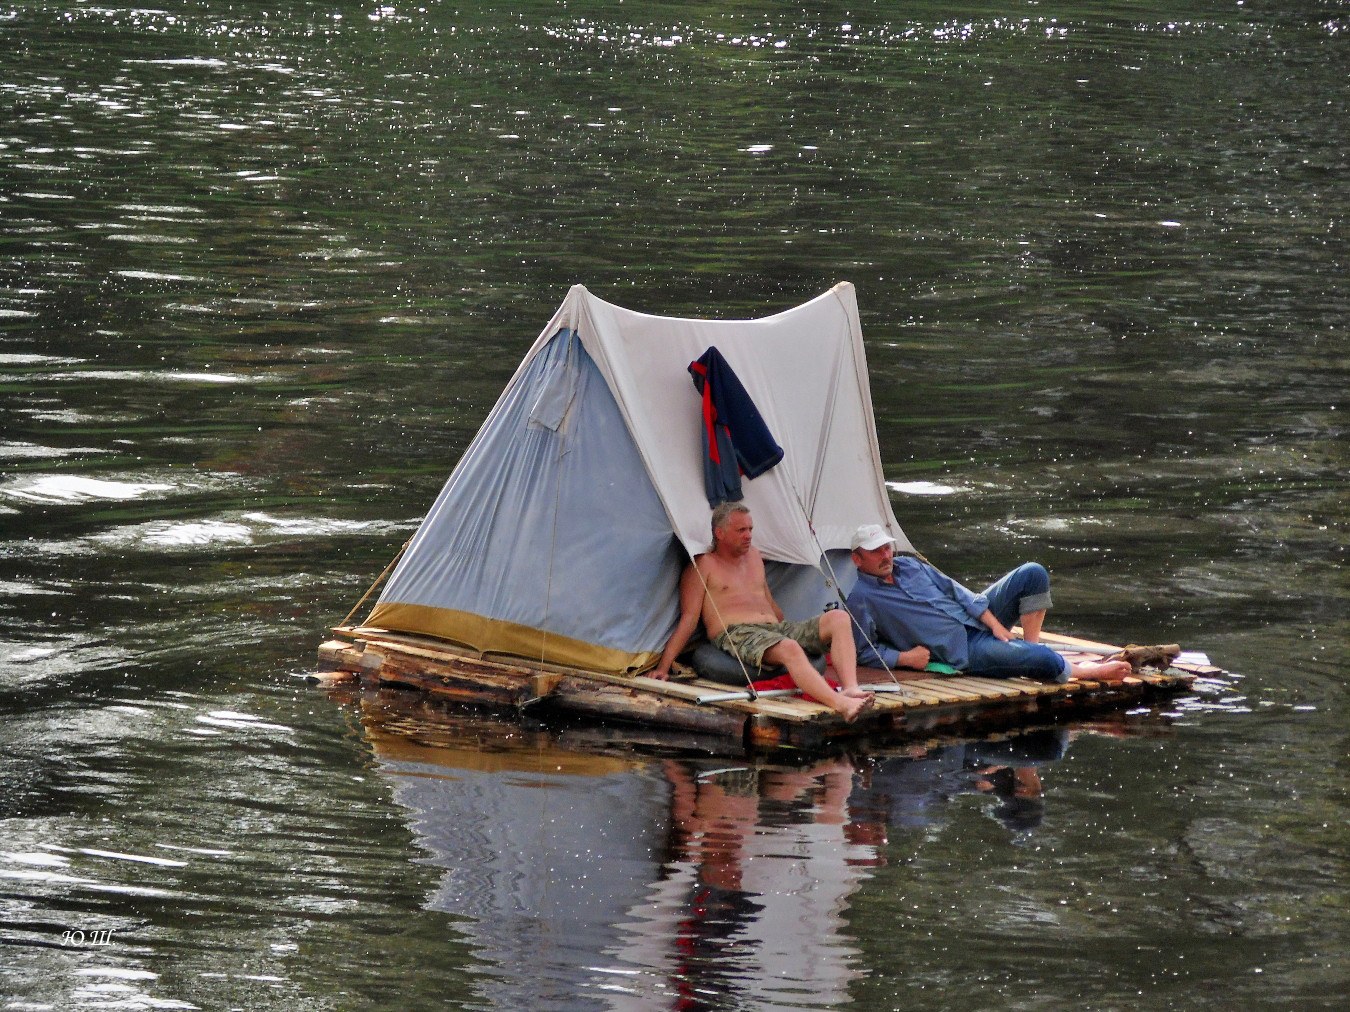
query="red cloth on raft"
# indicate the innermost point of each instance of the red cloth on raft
(784, 682)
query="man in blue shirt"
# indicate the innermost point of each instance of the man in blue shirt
(907, 612)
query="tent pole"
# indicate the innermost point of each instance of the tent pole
(371, 589)
(832, 578)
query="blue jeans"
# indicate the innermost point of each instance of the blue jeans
(1026, 588)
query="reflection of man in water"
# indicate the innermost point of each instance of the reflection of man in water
(905, 792)
(760, 873)
(1021, 797)
(907, 612)
(1010, 771)
(909, 792)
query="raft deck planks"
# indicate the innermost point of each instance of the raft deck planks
(917, 704)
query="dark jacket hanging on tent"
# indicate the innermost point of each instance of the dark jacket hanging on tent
(735, 439)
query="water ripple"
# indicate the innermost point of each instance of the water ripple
(1100, 270)
(67, 488)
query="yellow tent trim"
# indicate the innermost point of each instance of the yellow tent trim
(486, 636)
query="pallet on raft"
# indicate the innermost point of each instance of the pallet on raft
(915, 705)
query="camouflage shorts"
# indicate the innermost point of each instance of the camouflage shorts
(749, 640)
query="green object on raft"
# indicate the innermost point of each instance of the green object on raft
(938, 668)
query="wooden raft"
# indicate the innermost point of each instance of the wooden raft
(917, 705)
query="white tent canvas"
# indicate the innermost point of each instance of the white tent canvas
(561, 534)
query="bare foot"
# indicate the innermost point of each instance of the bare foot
(1101, 671)
(854, 707)
(855, 693)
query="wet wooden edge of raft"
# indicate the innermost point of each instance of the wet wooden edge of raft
(917, 704)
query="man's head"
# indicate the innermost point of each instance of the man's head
(873, 550)
(732, 527)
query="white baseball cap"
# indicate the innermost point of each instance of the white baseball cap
(870, 536)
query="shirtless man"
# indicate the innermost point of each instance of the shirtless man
(742, 618)
(908, 612)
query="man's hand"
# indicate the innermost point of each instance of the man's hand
(660, 674)
(996, 627)
(915, 657)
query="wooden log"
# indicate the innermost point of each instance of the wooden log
(585, 696)
(338, 655)
(542, 686)
(332, 679)
(475, 687)
(763, 733)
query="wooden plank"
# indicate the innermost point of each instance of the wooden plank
(1165, 678)
(894, 700)
(929, 692)
(920, 695)
(785, 708)
(996, 687)
(542, 686)
(906, 696)
(1087, 646)
(680, 690)
(950, 689)
(793, 707)
(468, 687)
(794, 710)
(981, 687)
(1034, 688)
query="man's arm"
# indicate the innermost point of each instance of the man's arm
(975, 605)
(691, 607)
(872, 653)
(915, 657)
(873, 650)
(996, 627)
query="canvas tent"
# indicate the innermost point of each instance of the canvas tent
(561, 534)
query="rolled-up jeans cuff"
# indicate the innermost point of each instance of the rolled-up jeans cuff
(1033, 602)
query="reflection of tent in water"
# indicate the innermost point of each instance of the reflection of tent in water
(545, 853)
(592, 881)
(561, 534)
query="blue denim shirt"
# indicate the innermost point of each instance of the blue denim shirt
(923, 607)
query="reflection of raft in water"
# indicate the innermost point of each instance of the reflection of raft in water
(585, 876)
(916, 706)
(547, 571)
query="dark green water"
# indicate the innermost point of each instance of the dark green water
(263, 274)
